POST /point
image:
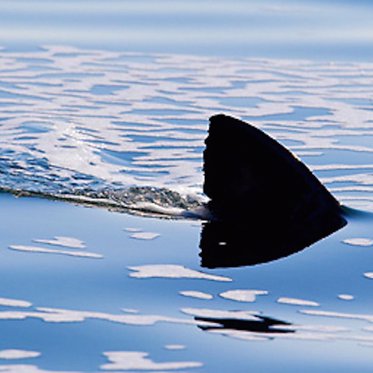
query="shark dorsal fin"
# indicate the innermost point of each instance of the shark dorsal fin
(249, 173)
(259, 188)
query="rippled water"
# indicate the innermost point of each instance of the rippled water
(89, 290)
(94, 124)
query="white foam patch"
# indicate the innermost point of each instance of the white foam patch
(132, 229)
(297, 302)
(318, 333)
(241, 335)
(251, 336)
(23, 368)
(196, 294)
(358, 241)
(243, 295)
(338, 315)
(57, 315)
(312, 328)
(145, 235)
(175, 347)
(64, 241)
(346, 297)
(43, 250)
(173, 271)
(221, 314)
(136, 360)
(18, 354)
(156, 209)
(14, 303)
(368, 275)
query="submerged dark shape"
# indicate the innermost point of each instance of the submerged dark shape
(264, 203)
(263, 324)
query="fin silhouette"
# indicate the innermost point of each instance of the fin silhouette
(264, 202)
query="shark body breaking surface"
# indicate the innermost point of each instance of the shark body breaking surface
(264, 203)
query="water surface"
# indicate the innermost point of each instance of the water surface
(108, 103)
(145, 291)
(91, 123)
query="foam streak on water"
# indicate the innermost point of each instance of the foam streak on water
(94, 123)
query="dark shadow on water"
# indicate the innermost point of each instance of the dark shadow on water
(262, 325)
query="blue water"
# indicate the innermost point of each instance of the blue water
(98, 97)
(319, 274)
(148, 126)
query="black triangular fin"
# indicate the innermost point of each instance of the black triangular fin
(259, 189)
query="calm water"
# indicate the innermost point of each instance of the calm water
(108, 103)
(80, 283)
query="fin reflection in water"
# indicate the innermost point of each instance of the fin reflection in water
(265, 204)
